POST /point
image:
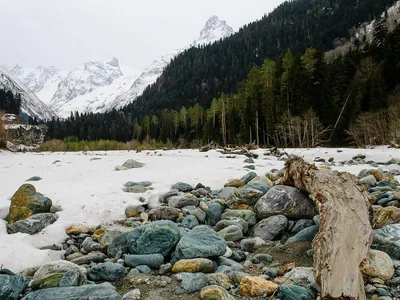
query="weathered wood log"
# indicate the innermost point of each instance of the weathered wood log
(345, 233)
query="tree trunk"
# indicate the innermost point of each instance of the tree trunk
(345, 233)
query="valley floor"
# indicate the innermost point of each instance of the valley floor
(89, 191)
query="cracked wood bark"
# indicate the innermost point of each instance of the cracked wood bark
(345, 234)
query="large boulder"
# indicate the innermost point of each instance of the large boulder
(119, 244)
(387, 239)
(231, 233)
(269, 228)
(59, 273)
(11, 286)
(107, 271)
(92, 292)
(27, 202)
(200, 242)
(214, 213)
(159, 237)
(181, 199)
(182, 187)
(379, 265)
(287, 201)
(33, 224)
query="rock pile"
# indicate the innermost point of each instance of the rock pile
(249, 239)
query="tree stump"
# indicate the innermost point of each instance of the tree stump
(345, 233)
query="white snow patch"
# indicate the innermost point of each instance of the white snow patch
(90, 191)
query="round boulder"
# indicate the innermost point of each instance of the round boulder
(287, 201)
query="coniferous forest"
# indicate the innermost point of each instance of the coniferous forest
(272, 82)
(9, 102)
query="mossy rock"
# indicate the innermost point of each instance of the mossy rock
(27, 202)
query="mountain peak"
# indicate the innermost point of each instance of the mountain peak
(113, 62)
(214, 30)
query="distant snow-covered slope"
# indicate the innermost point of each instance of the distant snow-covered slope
(103, 86)
(31, 105)
(213, 31)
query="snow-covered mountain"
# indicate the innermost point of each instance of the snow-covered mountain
(213, 31)
(102, 86)
(31, 105)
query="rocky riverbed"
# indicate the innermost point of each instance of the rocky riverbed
(249, 239)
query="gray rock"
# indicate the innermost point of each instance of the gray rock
(247, 215)
(87, 259)
(387, 239)
(132, 164)
(201, 242)
(294, 292)
(182, 200)
(238, 255)
(107, 271)
(302, 276)
(137, 189)
(307, 234)
(134, 272)
(141, 183)
(271, 272)
(233, 265)
(250, 167)
(191, 282)
(248, 161)
(301, 224)
(248, 177)
(164, 269)
(33, 224)
(237, 276)
(234, 221)
(214, 213)
(251, 244)
(261, 258)
(201, 192)
(34, 178)
(144, 269)
(119, 244)
(132, 295)
(164, 213)
(96, 292)
(270, 228)
(59, 273)
(369, 180)
(189, 222)
(159, 237)
(231, 233)
(243, 195)
(287, 201)
(109, 236)
(154, 261)
(182, 187)
(199, 214)
(89, 245)
(226, 192)
(11, 286)
(316, 220)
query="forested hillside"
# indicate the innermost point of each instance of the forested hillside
(268, 76)
(9, 102)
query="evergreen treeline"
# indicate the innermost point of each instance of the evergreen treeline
(294, 100)
(9, 102)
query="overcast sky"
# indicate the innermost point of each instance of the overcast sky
(66, 33)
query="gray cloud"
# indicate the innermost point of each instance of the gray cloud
(66, 33)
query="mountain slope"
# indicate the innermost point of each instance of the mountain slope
(213, 31)
(198, 75)
(31, 105)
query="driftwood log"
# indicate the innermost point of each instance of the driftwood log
(345, 234)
